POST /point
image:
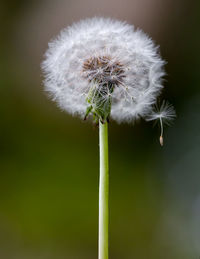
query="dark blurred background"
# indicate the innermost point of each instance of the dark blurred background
(49, 160)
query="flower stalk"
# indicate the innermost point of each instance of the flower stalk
(103, 191)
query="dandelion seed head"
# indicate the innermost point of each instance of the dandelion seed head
(107, 64)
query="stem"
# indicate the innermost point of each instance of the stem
(103, 191)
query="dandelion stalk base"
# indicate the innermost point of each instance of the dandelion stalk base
(103, 191)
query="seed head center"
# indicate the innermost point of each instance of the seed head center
(103, 70)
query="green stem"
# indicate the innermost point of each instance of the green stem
(103, 191)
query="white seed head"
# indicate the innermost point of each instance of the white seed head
(104, 64)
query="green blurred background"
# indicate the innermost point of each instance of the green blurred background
(49, 160)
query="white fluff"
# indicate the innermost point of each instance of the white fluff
(133, 97)
(165, 112)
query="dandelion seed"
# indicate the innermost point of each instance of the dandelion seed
(165, 114)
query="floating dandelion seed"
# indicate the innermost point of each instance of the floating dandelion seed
(105, 68)
(165, 114)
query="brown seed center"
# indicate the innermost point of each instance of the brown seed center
(103, 70)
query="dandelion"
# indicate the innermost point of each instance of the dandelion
(104, 68)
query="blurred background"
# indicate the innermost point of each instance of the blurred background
(49, 160)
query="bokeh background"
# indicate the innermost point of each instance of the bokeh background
(49, 160)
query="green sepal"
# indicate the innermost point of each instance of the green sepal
(88, 110)
(100, 101)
